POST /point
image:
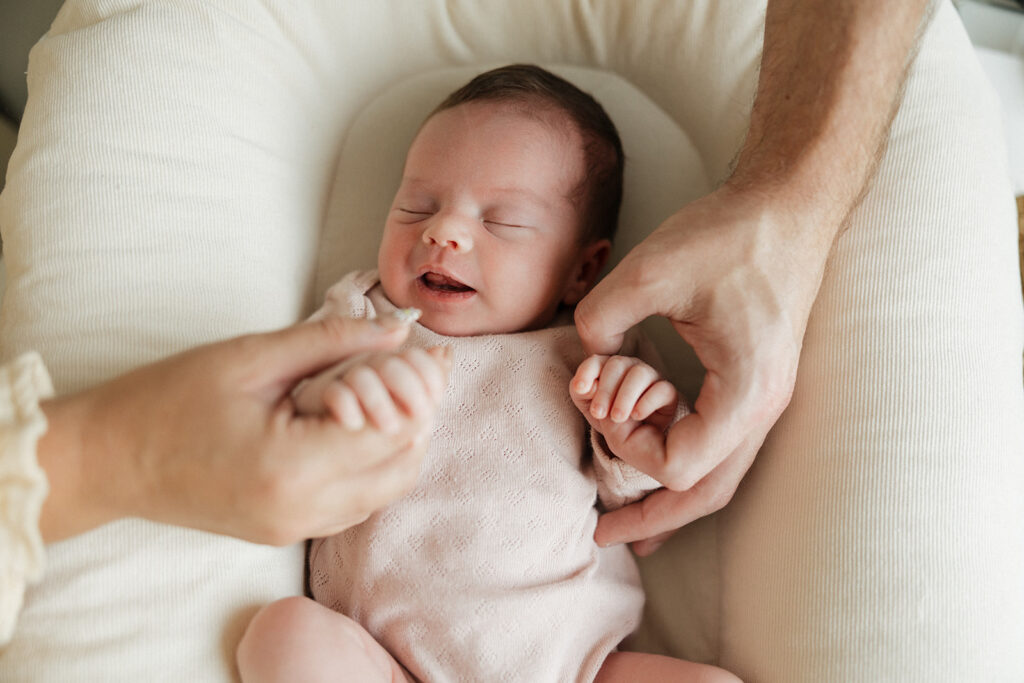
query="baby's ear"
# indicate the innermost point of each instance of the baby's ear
(589, 263)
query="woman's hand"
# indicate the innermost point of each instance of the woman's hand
(211, 439)
(738, 286)
(378, 390)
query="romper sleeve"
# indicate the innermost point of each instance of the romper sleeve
(346, 299)
(24, 382)
(618, 482)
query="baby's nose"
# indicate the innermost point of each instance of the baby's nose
(449, 232)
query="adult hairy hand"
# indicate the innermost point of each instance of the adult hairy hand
(211, 439)
(737, 278)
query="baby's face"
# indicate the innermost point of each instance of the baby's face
(483, 235)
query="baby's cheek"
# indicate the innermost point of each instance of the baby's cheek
(393, 285)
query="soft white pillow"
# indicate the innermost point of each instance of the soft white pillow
(171, 181)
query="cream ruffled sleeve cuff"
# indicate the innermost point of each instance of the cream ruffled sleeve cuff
(24, 382)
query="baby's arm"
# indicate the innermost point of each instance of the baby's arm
(619, 396)
(377, 389)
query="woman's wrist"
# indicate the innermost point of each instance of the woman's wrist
(81, 496)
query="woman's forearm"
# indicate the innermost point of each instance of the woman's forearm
(81, 497)
(831, 80)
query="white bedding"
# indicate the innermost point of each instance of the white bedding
(173, 184)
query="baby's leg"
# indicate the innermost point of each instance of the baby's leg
(296, 639)
(626, 667)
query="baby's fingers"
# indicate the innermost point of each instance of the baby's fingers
(433, 366)
(407, 386)
(659, 397)
(343, 404)
(637, 380)
(374, 397)
(584, 382)
(612, 375)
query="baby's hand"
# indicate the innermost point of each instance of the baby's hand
(380, 389)
(619, 394)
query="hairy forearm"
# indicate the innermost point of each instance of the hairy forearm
(830, 83)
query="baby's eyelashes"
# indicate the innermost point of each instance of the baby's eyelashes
(414, 213)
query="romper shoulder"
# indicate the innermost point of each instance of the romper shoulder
(347, 297)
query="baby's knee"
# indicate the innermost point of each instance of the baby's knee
(266, 638)
(299, 639)
(280, 637)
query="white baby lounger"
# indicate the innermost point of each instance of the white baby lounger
(176, 180)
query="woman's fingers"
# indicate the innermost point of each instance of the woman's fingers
(372, 488)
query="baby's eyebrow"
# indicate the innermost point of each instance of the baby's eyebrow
(512, 191)
(524, 193)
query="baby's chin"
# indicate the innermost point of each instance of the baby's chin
(457, 325)
(450, 325)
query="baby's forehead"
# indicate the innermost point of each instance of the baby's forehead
(485, 120)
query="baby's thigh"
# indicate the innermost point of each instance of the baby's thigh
(625, 667)
(297, 639)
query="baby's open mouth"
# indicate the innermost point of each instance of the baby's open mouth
(443, 283)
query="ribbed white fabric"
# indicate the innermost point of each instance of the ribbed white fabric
(169, 187)
(880, 534)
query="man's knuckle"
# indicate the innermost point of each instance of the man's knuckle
(716, 497)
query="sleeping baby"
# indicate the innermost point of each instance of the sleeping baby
(487, 570)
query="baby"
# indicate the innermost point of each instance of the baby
(488, 570)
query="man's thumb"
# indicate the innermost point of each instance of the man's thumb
(605, 314)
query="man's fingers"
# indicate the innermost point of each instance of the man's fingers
(604, 315)
(649, 545)
(664, 510)
(727, 413)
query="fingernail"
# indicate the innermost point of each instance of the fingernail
(398, 318)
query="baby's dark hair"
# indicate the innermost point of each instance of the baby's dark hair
(599, 192)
